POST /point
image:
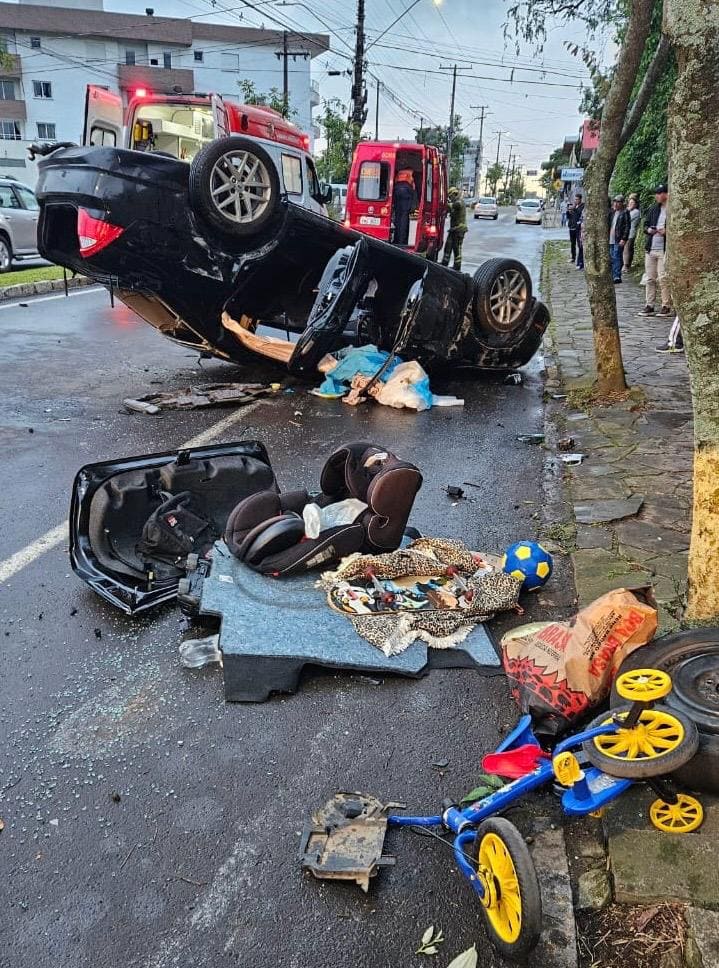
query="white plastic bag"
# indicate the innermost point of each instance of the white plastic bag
(318, 519)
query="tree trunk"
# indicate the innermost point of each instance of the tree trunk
(693, 253)
(602, 298)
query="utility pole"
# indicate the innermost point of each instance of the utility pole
(450, 131)
(376, 113)
(358, 115)
(285, 77)
(506, 171)
(480, 147)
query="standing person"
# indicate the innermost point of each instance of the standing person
(619, 223)
(634, 217)
(655, 230)
(457, 229)
(572, 226)
(404, 201)
(563, 211)
(579, 219)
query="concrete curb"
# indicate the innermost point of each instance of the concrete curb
(42, 287)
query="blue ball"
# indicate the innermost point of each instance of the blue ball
(530, 562)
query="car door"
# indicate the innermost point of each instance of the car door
(25, 220)
(103, 118)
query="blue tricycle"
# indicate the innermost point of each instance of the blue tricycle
(636, 742)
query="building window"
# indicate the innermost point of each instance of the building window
(167, 60)
(10, 131)
(35, 43)
(42, 89)
(154, 62)
(230, 62)
(7, 90)
(130, 58)
(46, 130)
(199, 56)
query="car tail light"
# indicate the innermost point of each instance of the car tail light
(306, 142)
(431, 230)
(94, 234)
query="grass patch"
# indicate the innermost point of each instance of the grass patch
(562, 533)
(23, 276)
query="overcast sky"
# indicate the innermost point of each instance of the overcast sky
(532, 97)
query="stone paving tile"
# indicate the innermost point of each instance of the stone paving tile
(642, 446)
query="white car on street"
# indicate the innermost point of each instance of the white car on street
(486, 207)
(529, 210)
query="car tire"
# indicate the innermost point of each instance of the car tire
(495, 217)
(225, 208)
(692, 659)
(502, 300)
(5, 254)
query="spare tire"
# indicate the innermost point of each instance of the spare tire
(692, 660)
(234, 185)
(502, 300)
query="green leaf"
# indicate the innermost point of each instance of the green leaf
(427, 936)
(468, 959)
(476, 794)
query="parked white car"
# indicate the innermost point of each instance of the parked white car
(529, 210)
(486, 207)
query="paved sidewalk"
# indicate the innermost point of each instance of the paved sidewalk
(631, 496)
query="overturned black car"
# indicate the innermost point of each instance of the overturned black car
(213, 252)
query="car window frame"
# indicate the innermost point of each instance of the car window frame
(293, 158)
(384, 166)
(18, 190)
(313, 182)
(105, 131)
(11, 194)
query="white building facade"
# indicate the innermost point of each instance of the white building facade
(53, 52)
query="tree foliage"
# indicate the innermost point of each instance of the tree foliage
(333, 165)
(643, 164)
(273, 99)
(494, 174)
(439, 136)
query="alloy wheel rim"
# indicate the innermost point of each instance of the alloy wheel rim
(240, 186)
(507, 299)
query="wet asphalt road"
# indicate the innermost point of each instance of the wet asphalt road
(147, 823)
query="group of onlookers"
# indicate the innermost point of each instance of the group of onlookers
(624, 218)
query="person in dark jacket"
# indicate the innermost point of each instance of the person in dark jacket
(404, 201)
(619, 228)
(575, 217)
(655, 233)
(457, 229)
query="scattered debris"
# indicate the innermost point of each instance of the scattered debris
(115, 796)
(572, 459)
(514, 379)
(454, 491)
(559, 396)
(431, 940)
(200, 396)
(468, 959)
(2, 825)
(98, 633)
(441, 764)
(197, 653)
(565, 443)
(530, 438)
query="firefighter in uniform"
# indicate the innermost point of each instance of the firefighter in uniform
(457, 229)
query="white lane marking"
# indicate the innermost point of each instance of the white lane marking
(55, 536)
(31, 300)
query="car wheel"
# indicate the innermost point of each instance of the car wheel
(5, 254)
(692, 660)
(234, 185)
(502, 300)
(495, 217)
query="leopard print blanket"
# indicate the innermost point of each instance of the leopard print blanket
(441, 628)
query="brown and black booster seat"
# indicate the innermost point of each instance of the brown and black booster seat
(267, 531)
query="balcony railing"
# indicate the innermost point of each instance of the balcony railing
(10, 65)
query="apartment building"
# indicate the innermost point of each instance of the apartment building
(52, 52)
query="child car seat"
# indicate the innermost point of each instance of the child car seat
(267, 531)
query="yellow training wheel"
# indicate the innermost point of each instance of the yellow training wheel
(655, 734)
(502, 899)
(644, 685)
(677, 818)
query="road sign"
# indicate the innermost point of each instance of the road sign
(558, 184)
(572, 174)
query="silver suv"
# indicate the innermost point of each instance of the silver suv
(19, 212)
